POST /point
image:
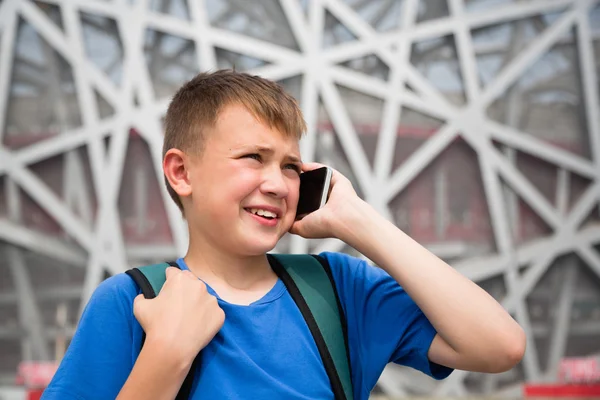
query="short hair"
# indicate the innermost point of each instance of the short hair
(197, 104)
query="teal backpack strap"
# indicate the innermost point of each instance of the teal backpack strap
(150, 280)
(310, 283)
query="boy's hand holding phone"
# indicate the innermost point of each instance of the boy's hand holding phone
(343, 204)
(183, 318)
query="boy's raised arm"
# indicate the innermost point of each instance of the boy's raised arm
(474, 332)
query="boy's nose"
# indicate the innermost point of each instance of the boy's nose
(274, 183)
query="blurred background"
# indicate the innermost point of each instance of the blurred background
(474, 125)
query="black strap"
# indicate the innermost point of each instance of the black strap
(186, 387)
(336, 384)
(140, 279)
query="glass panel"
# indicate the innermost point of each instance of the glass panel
(105, 110)
(240, 62)
(383, 15)
(42, 100)
(432, 9)
(293, 86)
(466, 217)
(304, 4)
(36, 218)
(69, 176)
(264, 20)
(595, 21)
(437, 61)
(414, 129)
(414, 208)
(45, 273)
(335, 32)
(593, 218)
(329, 150)
(141, 208)
(546, 101)
(103, 44)
(11, 354)
(541, 174)
(481, 5)
(3, 199)
(542, 305)
(365, 113)
(400, 208)
(497, 45)
(52, 11)
(174, 8)
(370, 65)
(171, 61)
(595, 30)
(529, 225)
(50, 171)
(578, 186)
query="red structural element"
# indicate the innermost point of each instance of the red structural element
(35, 394)
(35, 374)
(562, 391)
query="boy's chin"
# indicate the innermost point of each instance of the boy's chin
(259, 246)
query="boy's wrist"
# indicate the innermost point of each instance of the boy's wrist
(354, 221)
(172, 357)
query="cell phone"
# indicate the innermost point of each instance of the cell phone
(314, 189)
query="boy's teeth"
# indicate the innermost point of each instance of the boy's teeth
(263, 213)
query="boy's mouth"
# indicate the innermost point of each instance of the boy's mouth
(266, 214)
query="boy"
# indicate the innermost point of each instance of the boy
(232, 165)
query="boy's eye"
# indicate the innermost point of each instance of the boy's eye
(255, 156)
(294, 167)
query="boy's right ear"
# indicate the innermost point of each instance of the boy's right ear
(176, 172)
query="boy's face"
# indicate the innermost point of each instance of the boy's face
(245, 184)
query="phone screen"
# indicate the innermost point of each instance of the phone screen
(314, 188)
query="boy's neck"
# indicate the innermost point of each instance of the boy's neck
(228, 273)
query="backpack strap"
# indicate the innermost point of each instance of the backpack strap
(150, 280)
(310, 283)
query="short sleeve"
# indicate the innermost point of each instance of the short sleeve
(100, 355)
(384, 324)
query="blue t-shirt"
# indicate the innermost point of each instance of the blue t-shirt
(264, 350)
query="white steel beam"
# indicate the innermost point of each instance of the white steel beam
(589, 80)
(562, 319)
(41, 243)
(8, 27)
(386, 143)
(71, 292)
(29, 314)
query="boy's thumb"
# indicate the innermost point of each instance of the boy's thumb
(296, 228)
(138, 302)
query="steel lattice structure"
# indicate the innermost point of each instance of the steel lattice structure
(118, 62)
